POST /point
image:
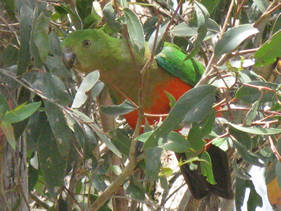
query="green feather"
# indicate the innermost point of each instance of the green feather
(173, 60)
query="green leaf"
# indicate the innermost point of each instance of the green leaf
(136, 191)
(99, 182)
(121, 141)
(135, 30)
(165, 172)
(254, 200)
(97, 89)
(51, 163)
(63, 134)
(21, 112)
(86, 138)
(252, 94)
(252, 113)
(202, 16)
(210, 5)
(183, 30)
(26, 18)
(206, 168)
(277, 24)
(247, 155)
(33, 175)
(144, 136)
(87, 84)
(176, 143)
(110, 18)
(4, 106)
(109, 144)
(40, 36)
(261, 5)
(233, 38)
(160, 34)
(242, 137)
(116, 110)
(152, 163)
(51, 87)
(240, 189)
(8, 131)
(193, 106)
(10, 7)
(269, 51)
(257, 130)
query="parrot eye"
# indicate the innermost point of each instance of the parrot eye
(86, 43)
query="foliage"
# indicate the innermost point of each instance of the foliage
(68, 165)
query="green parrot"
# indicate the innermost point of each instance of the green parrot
(170, 72)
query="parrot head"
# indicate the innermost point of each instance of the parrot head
(85, 50)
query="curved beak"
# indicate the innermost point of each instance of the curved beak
(68, 57)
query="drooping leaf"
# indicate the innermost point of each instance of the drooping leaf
(4, 106)
(194, 105)
(252, 94)
(26, 16)
(257, 130)
(86, 139)
(116, 110)
(51, 87)
(61, 131)
(121, 141)
(247, 155)
(233, 38)
(261, 5)
(99, 183)
(97, 89)
(277, 24)
(51, 163)
(269, 51)
(109, 144)
(135, 190)
(135, 30)
(206, 168)
(152, 162)
(87, 84)
(176, 143)
(21, 112)
(8, 131)
(255, 200)
(159, 37)
(40, 36)
(183, 30)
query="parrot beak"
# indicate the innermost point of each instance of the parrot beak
(68, 57)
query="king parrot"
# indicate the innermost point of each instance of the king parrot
(170, 72)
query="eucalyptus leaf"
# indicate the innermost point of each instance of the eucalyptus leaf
(135, 30)
(183, 30)
(257, 130)
(87, 84)
(4, 106)
(51, 163)
(233, 38)
(197, 103)
(21, 112)
(176, 143)
(8, 130)
(116, 110)
(269, 51)
(152, 162)
(26, 18)
(51, 87)
(40, 36)
(60, 129)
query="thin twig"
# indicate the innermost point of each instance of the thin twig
(273, 148)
